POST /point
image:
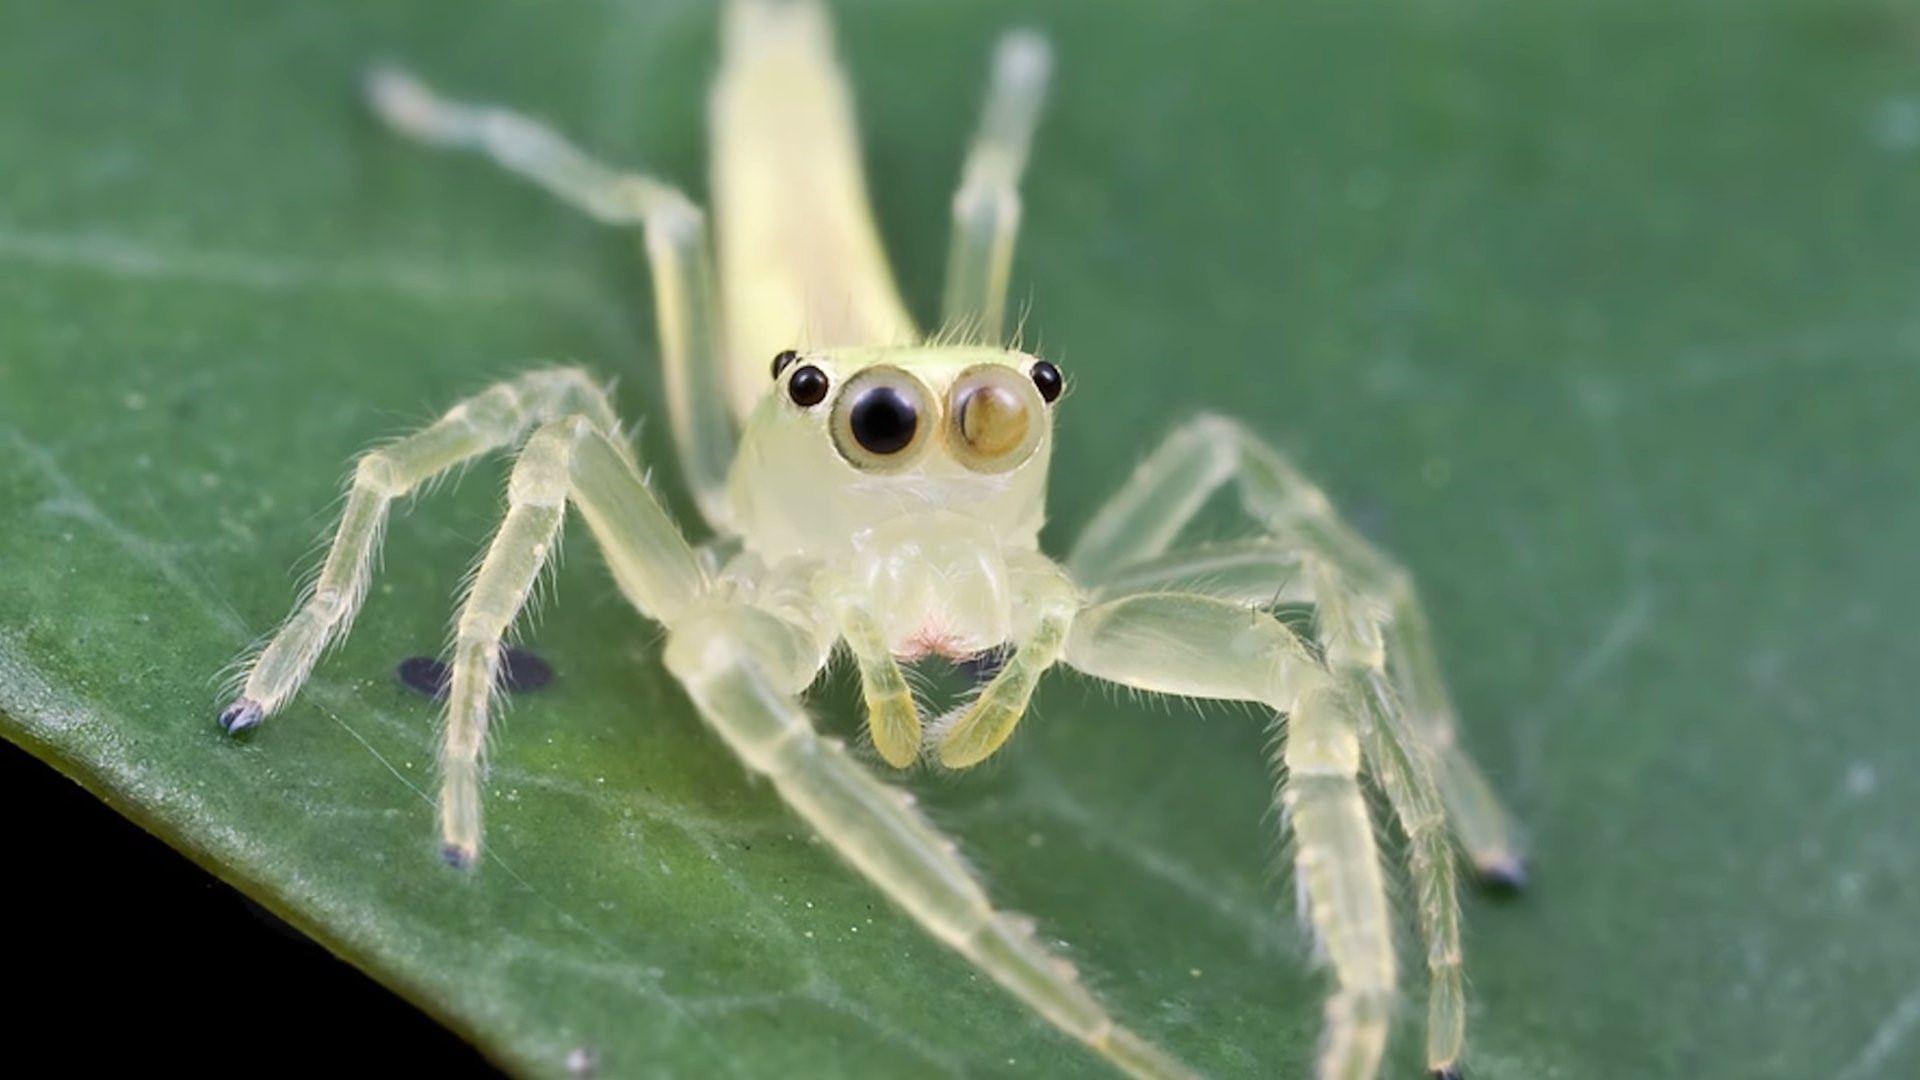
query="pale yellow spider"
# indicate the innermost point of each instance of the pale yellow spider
(871, 487)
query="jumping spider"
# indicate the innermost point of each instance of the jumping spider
(876, 489)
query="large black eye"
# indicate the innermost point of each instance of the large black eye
(783, 360)
(883, 420)
(807, 387)
(1048, 380)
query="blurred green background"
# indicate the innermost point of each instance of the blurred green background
(1601, 315)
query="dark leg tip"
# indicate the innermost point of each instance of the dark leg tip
(457, 856)
(241, 716)
(1507, 877)
(1446, 1072)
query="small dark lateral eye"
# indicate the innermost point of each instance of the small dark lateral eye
(808, 386)
(1048, 380)
(883, 420)
(783, 360)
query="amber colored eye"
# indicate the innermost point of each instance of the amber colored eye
(993, 418)
(881, 419)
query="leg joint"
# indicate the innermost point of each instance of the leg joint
(376, 471)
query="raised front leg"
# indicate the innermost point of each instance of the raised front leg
(1198, 646)
(691, 353)
(986, 209)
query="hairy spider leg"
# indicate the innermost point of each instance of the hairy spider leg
(741, 665)
(1142, 520)
(986, 208)
(802, 264)
(1376, 640)
(730, 659)
(570, 459)
(1265, 572)
(493, 420)
(925, 874)
(691, 352)
(801, 261)
(1199, 646)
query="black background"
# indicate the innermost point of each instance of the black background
(122, 952)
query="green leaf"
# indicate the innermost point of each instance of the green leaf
(1601, 315)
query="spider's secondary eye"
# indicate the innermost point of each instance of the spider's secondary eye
(808, 387)
(783, 360)
(883, 420)
(1048, 380)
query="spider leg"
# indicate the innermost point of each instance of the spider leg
(1261, 572)
(495, 419)
(1266, 572)
(893, 720)
(734, 664)
(570, 459)
(1376, 641)
(676, 239)
(986, 208)
(976, 731)
(1182, 643)
(1141, 522)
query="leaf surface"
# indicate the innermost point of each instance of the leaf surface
(1599, 314)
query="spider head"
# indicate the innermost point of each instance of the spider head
(848, 439)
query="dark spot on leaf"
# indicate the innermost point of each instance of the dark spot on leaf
(423, 675)
(520, 671)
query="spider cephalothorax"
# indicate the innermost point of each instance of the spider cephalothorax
(883, 494)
